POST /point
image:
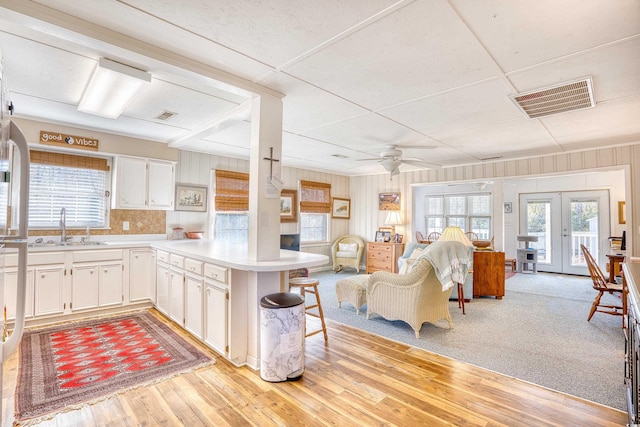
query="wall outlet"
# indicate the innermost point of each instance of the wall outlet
(125, 226)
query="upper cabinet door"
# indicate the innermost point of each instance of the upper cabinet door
(143, 184)
(161, 188)
(131, 183)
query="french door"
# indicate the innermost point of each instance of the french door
(563, 221)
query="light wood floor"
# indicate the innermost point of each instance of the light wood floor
(357, 379)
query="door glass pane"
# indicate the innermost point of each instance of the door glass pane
(539, 224)
(584, 230)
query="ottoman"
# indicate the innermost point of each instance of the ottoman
(353, 290)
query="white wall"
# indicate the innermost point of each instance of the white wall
(197, 168)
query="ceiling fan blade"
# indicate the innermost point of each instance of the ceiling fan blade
(373, 158)
(425, 147)
(421, 164)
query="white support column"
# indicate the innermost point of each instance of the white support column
(264, 211)
(264, 203)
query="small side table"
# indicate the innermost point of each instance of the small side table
(614, 260)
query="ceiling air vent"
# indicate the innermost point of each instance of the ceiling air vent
(165, 115)
(571, 96)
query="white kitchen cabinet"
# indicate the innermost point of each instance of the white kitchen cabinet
(143, 183)
(11, 293)
(142, 275)
(193, 304)
(96, 279)
(110, 279)
(48, 289)
(216, 316)
(176, 295)
(162, 288)
(161, 185)
(84, 287)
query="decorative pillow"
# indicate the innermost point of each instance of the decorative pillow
(416, 253)
(347, 247)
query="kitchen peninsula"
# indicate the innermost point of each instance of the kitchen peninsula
(222, 289)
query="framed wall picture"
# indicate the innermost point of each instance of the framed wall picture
(191, 198)
(340, 208)
(288, 206)
(389, 201)
(622, 217)
(508, 207)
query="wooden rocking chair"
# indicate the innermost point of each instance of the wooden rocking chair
(602, 285)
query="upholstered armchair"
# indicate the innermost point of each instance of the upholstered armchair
(415, 297)
(347, 251)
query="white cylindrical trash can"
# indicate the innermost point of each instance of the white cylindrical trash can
(282, 331)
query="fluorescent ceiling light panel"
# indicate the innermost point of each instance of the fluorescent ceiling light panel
(111, 88)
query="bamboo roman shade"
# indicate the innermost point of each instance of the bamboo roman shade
(315, 197)
(232, 191)
(68, 160)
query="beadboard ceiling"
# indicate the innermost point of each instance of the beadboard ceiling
(356, 75)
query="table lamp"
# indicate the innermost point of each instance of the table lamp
(393, 219)
(455, 234)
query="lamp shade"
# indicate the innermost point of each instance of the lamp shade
(111, 88)
(455, 234)
(393, 218)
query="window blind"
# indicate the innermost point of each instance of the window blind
(68, 160)
(81, 191)
(232, 191)
(315, 197)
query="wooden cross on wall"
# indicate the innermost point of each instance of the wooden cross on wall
(271, 159)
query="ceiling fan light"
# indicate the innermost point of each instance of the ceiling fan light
(391, 165)
(111, 88)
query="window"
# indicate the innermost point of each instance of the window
(313, 227)
(76, 183)
(315, 207)
(231, 206)
(470, 212)
(232, 227)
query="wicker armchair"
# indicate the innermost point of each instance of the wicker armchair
(347, 251)
(415, 297)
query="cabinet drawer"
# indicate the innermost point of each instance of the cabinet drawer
(99, 255)
(380, 248)
(176, 260)
(215, 272)
(162, 256)
(193, 266)
(382, 256)
(41, 258)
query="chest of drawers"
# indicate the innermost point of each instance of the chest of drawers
(383, 256)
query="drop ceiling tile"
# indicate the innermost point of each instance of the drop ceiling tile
(491, 140)
(521, 34)
(457, 109)
(306, 106)
(366, 132)
(604, 119)
(615, 70)
(267, 31)
(419, 49)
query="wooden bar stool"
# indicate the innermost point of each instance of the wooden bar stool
(308, 285)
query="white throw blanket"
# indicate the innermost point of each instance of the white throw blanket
(451, 261)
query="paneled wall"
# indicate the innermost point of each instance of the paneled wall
(366, 218)
(196, 168)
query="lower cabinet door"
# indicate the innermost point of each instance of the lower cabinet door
(176, 296)
(48, 290)
(84, 288)
(216, 309)
(162, 288)
(193, 320)
(110, 292)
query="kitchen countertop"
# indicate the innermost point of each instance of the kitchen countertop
(234, 255)
(230, 255)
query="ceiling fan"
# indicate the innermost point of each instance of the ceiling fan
(391, 158)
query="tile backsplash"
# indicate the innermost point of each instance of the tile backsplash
(140, 222)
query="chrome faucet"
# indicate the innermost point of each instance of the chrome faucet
(63, 225)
